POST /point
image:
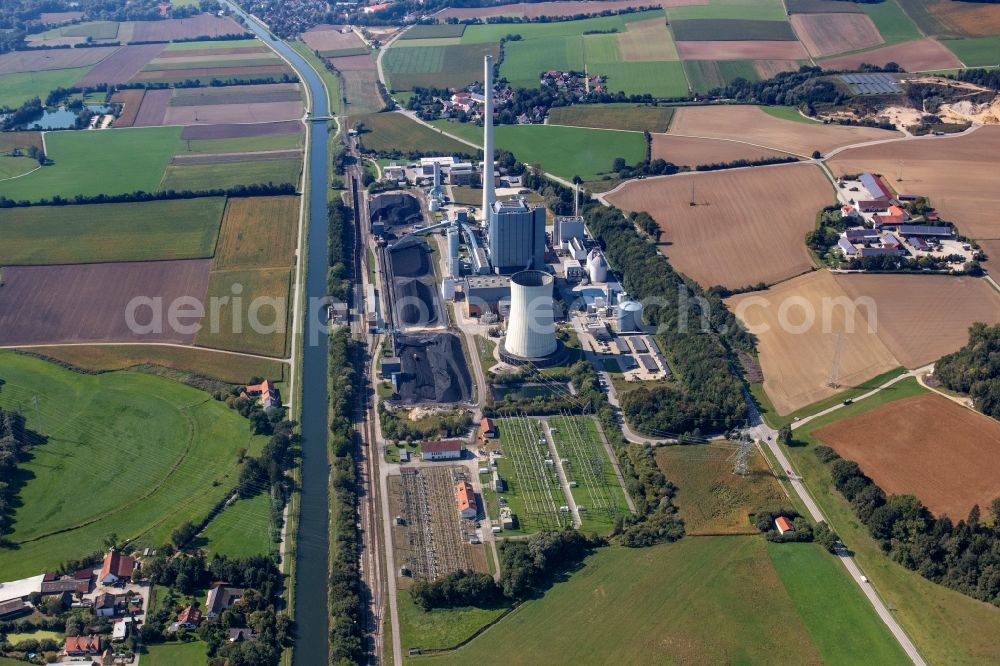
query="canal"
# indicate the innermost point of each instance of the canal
(312, 558)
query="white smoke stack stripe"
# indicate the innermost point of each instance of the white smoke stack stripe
(531, 331)
(488, 194)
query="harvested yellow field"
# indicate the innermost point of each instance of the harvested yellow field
(799, 325)
(753, 125)
(647, 40)
(692, 152)
(258, 232)
(958, 174)
(737, 235)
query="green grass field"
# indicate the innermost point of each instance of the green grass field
(707, 74)
(663, 79)
(771, 10)
(728, 29)
(576, 439)
(112, 161)
(213, 44)
(494, 32)
(946, 626)
(394, 131)
(788, 113)
(211, 176)
(704, 600)
(411, 64)
(440, 628)
(563, 151)
(12, 167)
(892, 22)
(272, 286)
(331, 80)
(154, 448)
(92, 29)
(175, 654)
(243, 145)
(978, 52)
(821, 7)
(18, 88)
(613, 116)
(241, 530)
(175, 229)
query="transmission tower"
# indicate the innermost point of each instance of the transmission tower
(835, 366)
(741, 456)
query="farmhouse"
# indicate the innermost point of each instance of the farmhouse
(450, 449)
(488, 428)
(66, 584)
(189, 618)
(79, 646)
(13, 608)
(237, 635)
(106, 605)
(220, 598)
(266, 393)
(876, 186)
(783, 525)
(465, 497)
(116, 567)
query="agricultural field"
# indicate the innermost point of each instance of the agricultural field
(650, 604)
(563, 151)
(955, 19)
(410, 64)
(735, 236)
(977, 52)
(753, 125)
(916, 56)
(442, 30)
(23, 140)
(360, 90)
(440, 628)
(742, 50)
(554, 8)
(262, 143)
(629, 117)
(955, 173)
(713, 500)
(726, 29)
(388, 132)
(662, 80)
(928, 446)
(692, 152)
(175, 654)
(242, 529)
(92, 163)
(259, 324)
(258, 232)
(892, 22)
(202, 25)
(13, 167)
(326, 38)
(797, 358)
(16, 89)
(161, 445)
(821, 7)
(704, 75)
(903, 325)
(946, 626)
(767, 69)
(121, 66)
(494, 32)
(771, 10)
(232, 172)
(89, 302)
(229, 368)
(827, 34)
(240, 131)
(48, 59)
(533, 490)
(131, 101)
(642, 40)
(577, 440)
(172, 229)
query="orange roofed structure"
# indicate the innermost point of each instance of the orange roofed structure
(465, 497)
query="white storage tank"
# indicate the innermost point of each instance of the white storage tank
(531, 330)
(435, 205)
(597, 266)
(629, 317)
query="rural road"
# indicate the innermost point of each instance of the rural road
(764, 433)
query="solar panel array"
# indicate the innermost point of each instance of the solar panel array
(872, 84)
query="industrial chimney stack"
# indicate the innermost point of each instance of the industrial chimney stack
(488, 164)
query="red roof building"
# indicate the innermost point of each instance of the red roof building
(267, 393)
(449, 449)
(82, 645)
(189, 617)
(465, 497)
(783, 524)
(488, 428)
(116, 567)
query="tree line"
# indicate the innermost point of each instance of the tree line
(963, 556)
(259, 190)
(16, 441)
(975, 369)
(340, 223)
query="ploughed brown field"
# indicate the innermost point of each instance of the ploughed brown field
(767, 69)
(41, 60)
(121, 65)
(564, 8)
(744, 228)
(742, 50)
(692, 151)
(241, 131)
(916, 56)
(796, 351)
(928, 446)
(88, 302)
(325, 37)
(22, 140)
(827, 34)
(197, 53)
(131, 101)
(358, 63)
(966, 19)
(923, 317)
(202, 25)
(958, 174)
(753, 125)
(212, 114)
(153, 109)
(212, 72)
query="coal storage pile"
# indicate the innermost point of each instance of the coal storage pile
(433, 369)
(394, 210)
(416, 303)
(416, 300)
(410, 258)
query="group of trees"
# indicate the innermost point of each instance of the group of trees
(261, 190)
(646, 167)
(187, 576)
(801, 529)
(975, 369)
(738, 164)
(988, 78)
(15, 442)
(963, 556)
(447, 424)
(340, 225)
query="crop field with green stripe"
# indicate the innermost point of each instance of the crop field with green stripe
(976, 52)
(454, 66)
(434, 31)
(707, 74)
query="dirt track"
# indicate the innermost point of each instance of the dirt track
(928, 446)
(737, 235)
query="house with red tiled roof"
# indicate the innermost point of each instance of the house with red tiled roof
(117, 566)
(265, 392)
(78, 646)
(189, 618)
(783, 525)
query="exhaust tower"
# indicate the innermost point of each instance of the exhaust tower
(488, 164)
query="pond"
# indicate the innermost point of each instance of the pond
(63, 118)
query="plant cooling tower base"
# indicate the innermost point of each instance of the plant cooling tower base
(555, 358)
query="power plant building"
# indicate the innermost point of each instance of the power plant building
(516, 236)
(486, 293)
(566, 228)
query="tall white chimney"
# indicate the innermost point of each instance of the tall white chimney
(488, 165)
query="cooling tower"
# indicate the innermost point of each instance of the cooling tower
(531, 331)
(488, 167)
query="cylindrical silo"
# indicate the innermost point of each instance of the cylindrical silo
(597, 266)
(629, 316)
(437, 174)
(435, 205)
(454, 266)
(531, 331)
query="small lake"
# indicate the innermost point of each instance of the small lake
(62, 118)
